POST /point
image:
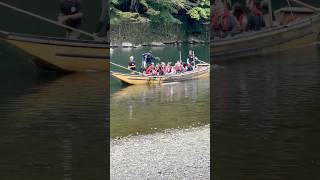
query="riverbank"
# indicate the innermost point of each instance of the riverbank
(147, 34)
(175, 154)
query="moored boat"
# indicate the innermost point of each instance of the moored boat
(201, 71)
(60, 53)
(301, 32)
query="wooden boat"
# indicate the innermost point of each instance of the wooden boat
(202, 70)
(302, 32)
(60, 53)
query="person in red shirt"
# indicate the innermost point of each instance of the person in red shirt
(223, 23)
(241, 17)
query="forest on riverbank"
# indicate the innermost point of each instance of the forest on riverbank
(139, 21)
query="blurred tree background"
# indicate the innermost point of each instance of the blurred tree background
(160, 11)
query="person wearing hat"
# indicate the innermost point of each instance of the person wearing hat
(131, 64)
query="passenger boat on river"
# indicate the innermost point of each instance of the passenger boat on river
(301, 32)
(201, 71)
(61, 53)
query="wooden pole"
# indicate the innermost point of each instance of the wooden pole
(50, 21)
(194, 60)
(307, 6)
(230, 4)
(291, 8)
(115, 64)
(270, 13)
(202, 61)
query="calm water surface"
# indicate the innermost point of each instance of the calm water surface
(147, 109)
(266, 117)
(52, 126)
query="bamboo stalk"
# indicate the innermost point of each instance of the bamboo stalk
(50, 21)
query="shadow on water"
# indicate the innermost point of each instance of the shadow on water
(266, 117)
(54, 126)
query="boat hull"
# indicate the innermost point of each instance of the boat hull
(62, 54)
(142, 79)
(295, 35)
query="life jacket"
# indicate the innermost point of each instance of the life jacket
(168, 69)
(240, 19)
(257, 21)
(255, 11)
(225, 24)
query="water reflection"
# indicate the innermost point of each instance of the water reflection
(266, 117)
(56, 128)
(145, 109)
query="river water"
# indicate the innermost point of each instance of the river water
(52, 126)
(148, 109)
(266, 117)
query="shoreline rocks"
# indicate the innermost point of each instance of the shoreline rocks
(174, 154)
(193, 41)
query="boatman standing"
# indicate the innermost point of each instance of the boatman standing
(191, 58)
(147, 59)
(71, 15)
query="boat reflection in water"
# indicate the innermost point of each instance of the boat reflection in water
(147, 109)
(56, 129)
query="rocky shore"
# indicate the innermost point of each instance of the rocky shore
(158, 44)
(175, 154)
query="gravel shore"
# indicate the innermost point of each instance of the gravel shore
(175, 154)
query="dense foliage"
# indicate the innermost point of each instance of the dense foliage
(160, 11)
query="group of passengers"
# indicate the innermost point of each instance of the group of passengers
(229, 21)
(159, 69)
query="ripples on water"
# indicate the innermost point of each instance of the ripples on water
(266, 117)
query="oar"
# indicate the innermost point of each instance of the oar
(125, 67)
(50, 21)
(202, 61)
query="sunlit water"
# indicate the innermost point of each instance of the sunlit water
(266, 117)
(143, 109)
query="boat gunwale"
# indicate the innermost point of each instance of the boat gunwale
(168, 76)
(265, 32)
(53, 40)
(295, 10)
